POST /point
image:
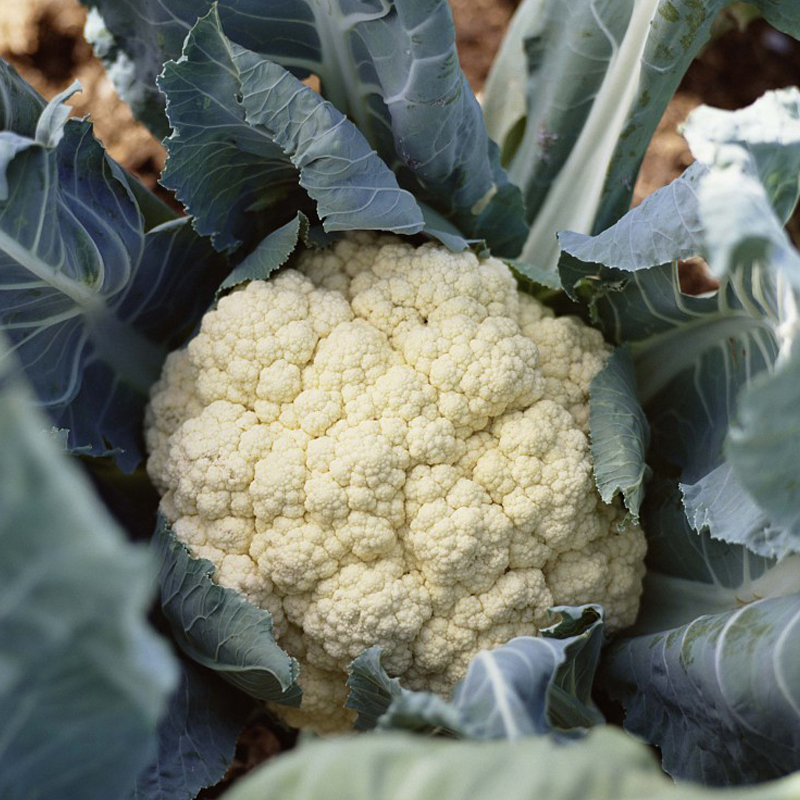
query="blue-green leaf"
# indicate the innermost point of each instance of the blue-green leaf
(196, 737)
(570, 57)
(606, 765)
(763, 444)
(270, 254)
(664, 227)
(532, 684)
(20, 105)
(679, 29)
(719, 694)
(219, 166)
(699, 359)
(709, 671)
(90, 303)
(245, 131)
(352, 187)
(219, 629)
(391, 67)
(371, 689)
(575, 96)
(719, 503)
(83, 678)
(620, 432)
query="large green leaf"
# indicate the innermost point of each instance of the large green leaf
(530, 685)
(606, 765)
(765, 438)
(196, 737)
(665, 227)
(90, 302)
(696, 356)
(244, 129)
(390, 66)
(218, 628)
(711, 672)
(679, 29)
(763, 445)
(575, 96)
(83, 678)
(620, 432)
(571, 57)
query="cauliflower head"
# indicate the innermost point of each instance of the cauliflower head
(388, 445)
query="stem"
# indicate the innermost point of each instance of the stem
(575, 195)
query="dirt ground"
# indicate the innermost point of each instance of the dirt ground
(43, 39)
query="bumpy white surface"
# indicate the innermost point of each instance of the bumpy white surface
(388, 445)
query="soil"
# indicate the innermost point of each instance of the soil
(43, 40)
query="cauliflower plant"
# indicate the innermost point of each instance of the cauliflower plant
(389, 445)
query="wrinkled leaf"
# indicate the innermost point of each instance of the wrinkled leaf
(219, 629)
(532, 684)
(89, 301)
(620, 432)
(245, 131)
(196, 738)
(606, 765)
(83, 678)
(391, 67)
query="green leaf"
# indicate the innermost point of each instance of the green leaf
(90, 302)
(20, 105)
(218, 165)
(352, 187)
(390, 67)
(244, 129)
(698, 358)
(270, 254)
(620, 432)
(719, 502)
(532, 684)
(679, 29)
(718, 695)
(763, 138)
(606, 765)
(709, 673)
(515, 75)
(371, 689)
(196, 737)
(574, 60)
(747, 235)
(576, 94)
(664, 227)
(219, 629)
(83, 678)
(763, 444)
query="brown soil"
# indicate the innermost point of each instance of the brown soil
(43, 39)
(480, 25)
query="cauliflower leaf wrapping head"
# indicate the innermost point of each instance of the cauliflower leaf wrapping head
(388, 445)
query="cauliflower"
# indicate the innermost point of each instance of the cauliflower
(389, 445)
